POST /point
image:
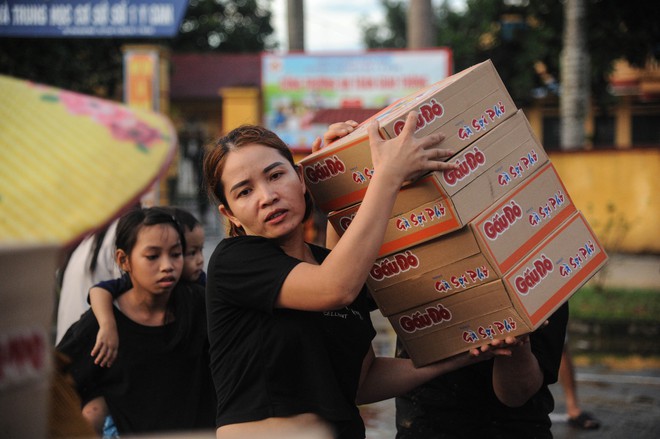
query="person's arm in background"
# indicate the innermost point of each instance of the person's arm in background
(384, 377)
(532, 364)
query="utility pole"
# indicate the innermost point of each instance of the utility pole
(575, 76)
(296, 25)
(420, 25)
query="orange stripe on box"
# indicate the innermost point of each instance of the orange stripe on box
(414, 238)
(564, 291)
(509, 196)
(536, 238)
(550, 237)
(344, 200)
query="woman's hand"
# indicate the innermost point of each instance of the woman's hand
(406, 157)
(334, 132)
(500, 347)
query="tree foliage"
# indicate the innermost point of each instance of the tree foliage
(519, 36)
(94, 66)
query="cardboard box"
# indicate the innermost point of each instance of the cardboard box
(455, 324)
(429, 271)
(464, 107)
(516, 304)
(492, 166)
(466, 258)
(421, 212)
(26, 310)
(500, 161)
(517, 222)
(454, 278)
(554, 270)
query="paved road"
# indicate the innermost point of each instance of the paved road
(626, 402)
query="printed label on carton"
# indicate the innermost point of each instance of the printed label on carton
(432, 284)
(427, 114)
(520, 169)
(429, 317)
(461, 322)
(492, 166)
(463, 280)
(324, 169)
(521, 219)
(490, 330)
(483, 121)
(394, 265)
(428, 257)
(470, 161)
(554, 270)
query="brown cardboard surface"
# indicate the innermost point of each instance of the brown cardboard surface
(420, 213)
(555, 270)
(28, 277)
(517, 303)
(485, 152)
(507, 156)
(418, 260)
(464, 107)
(461, 338)
(457, 323)
(517, 222)
(510, 153)
(338, 175)
(444, 281)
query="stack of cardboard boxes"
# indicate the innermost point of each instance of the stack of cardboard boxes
(485, 251)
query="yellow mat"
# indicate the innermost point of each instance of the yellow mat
(69, 163)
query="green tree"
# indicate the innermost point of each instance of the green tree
(392, 34)
(94, 66)
(517, 35)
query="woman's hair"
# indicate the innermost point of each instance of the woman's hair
(133, 221)
(216, 156)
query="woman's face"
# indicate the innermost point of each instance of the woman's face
(265, 193)
(156, 261)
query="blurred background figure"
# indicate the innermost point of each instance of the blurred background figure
(576, 416)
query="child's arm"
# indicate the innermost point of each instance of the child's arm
(101, 297)
(107, 339)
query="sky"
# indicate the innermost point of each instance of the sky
(333, 25)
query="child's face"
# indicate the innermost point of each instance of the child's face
(156, 261)
(193, 260)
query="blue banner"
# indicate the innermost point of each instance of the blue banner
(91, 18)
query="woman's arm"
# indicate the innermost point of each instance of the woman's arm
(518, 377)
(338, 280)
(383, 377)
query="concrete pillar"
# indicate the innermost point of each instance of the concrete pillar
(296, 25)
(420, 25)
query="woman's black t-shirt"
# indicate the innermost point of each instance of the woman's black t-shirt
(272, 362)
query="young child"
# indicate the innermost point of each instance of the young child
(102, 295)
(161, 381)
